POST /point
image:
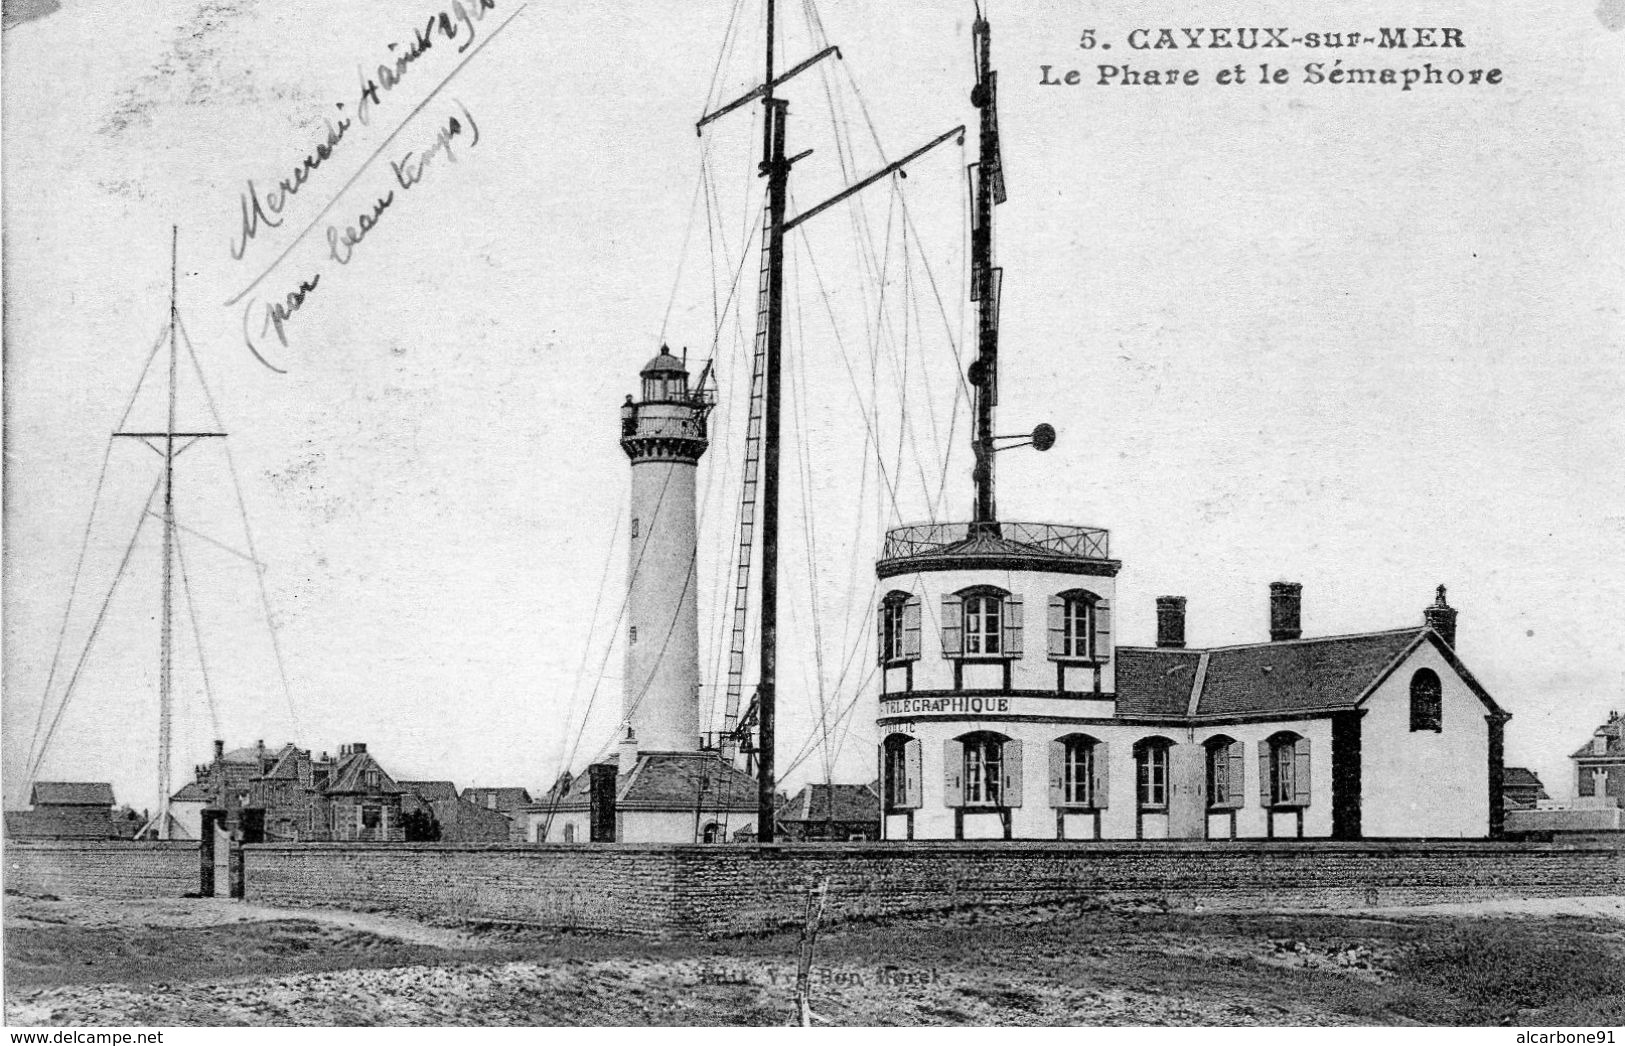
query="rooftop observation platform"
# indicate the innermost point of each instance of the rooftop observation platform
(1051, 547)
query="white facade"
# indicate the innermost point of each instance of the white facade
(1422, 782)
(1047, 738)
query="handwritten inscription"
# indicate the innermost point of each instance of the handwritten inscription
(263, 210)
(447, 25)
(409, 171)
(257, 209)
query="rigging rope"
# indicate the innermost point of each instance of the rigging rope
(197, 637)
(95, 629)
(84, 545)
(248, 533)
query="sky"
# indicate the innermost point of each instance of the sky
(1361, 338)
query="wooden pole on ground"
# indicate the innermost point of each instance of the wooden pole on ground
(809, 937)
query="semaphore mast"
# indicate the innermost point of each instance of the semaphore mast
(986, 280)
(775, 167)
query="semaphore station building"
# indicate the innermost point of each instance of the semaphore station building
(1006, 711)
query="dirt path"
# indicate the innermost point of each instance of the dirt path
(1534, 907)
(191, 913)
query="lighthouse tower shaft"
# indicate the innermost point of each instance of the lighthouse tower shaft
(664, 435)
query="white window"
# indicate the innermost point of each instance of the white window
(1079, 627)
(984, 624)
(984, 770)
(899, 625)
(1078, 772)
(1078, 781)
(1224, 773)
(1151, 756)
(1283, 770)
(981, 622)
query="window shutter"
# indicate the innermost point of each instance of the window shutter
(953, 770)
(912, 775)
(1264, 774)
(1103, 630)
(1103, 774)
(1057, 626)
(1057, 770)
(1012, 626)
(1301, 773)
(880, 634)
(911, 628)
(1238, 774)
(953, 630)
(1012, 773)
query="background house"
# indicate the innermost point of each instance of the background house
(458, 820)
(831, 812)
(1599, 765)
(1521, 788)
(64, 810)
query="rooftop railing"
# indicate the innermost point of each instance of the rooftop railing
(1054, 538)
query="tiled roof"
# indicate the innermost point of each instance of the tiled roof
(669, 781)
(287, 764)
(680, 779)
(1614, 731)
(1298, 675)
(1155, 682)
(1519, 777)
(191, 793)
(350, 776)
(430, 791)
(832, 802)
(72, 793)
(508, 799)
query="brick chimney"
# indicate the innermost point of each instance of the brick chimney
(358, 747)
(1441, 617)
(1171, 622)
(219, 750)
(1286, 605)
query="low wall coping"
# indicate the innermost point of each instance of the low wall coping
(989, 846)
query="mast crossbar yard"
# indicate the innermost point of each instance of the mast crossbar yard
(166, 641)
(775, 167)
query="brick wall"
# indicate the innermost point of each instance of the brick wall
(726, 889)
(618, 888)
(72, 868)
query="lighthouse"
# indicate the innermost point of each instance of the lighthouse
(664, 435)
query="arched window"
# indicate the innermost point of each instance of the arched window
(1225, 770)
(981, 621)
(900, 781)
(1078, 772)
(1283, 770)
(899, 625)
(1151, 766)
(1427, 701)
(1079, 627)
(984, 768)
(712, 833)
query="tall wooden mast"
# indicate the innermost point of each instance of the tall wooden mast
(775, 167)
(985, 281)
(166, 656)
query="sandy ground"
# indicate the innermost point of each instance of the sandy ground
(220, 962)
